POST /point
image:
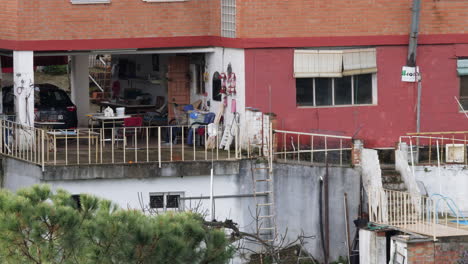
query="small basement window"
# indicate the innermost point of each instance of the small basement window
(166, 201)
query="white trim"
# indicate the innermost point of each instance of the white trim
(333, 104)
(163, 1)
(88, 2)
(374, 89)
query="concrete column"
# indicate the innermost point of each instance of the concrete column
(23, 77)
(80, 87)
(358, 146)
(1, 94)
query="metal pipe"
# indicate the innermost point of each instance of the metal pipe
(223, 196)
(326, 218)
(413, 38)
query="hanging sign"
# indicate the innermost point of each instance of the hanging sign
(408, 74)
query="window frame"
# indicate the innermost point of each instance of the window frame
(374, 93)
(460, 97)
(165, 194)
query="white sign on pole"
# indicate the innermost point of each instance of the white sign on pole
(408, 74)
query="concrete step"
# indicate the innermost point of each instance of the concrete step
(399, 186)
(384, 166)
(391, 179)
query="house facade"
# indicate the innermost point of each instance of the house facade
(328, 70)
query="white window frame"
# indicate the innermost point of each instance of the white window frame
(165, 194)
(374, 94)
(88, 2)
(162, 1)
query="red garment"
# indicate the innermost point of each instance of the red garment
(116, 89)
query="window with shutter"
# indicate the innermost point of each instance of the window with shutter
(335, 77)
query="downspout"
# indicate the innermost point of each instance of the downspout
(411, 60)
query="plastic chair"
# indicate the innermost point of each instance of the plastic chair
(199, 127)
(129, 126)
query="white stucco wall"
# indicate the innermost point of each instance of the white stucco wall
(372, 248)
(218, 62)
(452, 182)
(191, 186)
(405, 170)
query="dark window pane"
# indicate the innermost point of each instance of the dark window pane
(363, 89)
(157, 201)
(464, 92)
(304, 91)
(323, 91)
(343, 91)
(216, 87)
(173, 201)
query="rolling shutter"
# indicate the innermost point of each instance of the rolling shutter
(318, 63)
(359, 61)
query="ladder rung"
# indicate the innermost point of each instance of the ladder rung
(266, 228)
(265, 204)
(267, 168)
(266, 192)
(265, 216)
(263, 180)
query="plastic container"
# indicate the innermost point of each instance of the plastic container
(120, 111)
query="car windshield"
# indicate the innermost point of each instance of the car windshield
(48, 97)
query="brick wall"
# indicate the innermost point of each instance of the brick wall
(60, 20)
(443, 251)
(306, 18)
(421, 253)
(8, 18)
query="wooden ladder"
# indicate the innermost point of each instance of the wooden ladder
(262, 176)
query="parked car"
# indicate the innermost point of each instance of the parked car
(51, 104)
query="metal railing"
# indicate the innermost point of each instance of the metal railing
(434, 148)
(112, 145)
(311, 147)
(22, 142)
(433, 216)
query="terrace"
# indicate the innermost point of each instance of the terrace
(159, 144)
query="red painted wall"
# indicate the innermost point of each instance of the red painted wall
(379, 125)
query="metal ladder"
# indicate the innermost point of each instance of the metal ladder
(262, 176)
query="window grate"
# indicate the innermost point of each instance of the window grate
(172, 201)
(157, 201)
(228, 18)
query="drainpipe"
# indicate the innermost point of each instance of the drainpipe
(413, 40)
(411, 61)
